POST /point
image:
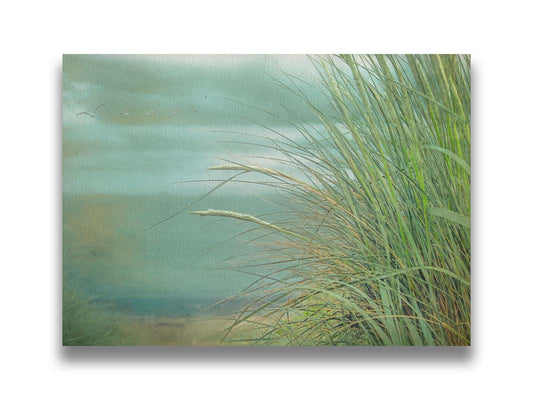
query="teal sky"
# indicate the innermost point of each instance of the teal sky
(167, 118)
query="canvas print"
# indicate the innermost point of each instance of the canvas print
(266, 200)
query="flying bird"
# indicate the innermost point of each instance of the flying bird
(194, 108)
(86, 113)
(93, 114)
(124, 113)
(98, 107)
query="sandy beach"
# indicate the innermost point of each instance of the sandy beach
(171, 331)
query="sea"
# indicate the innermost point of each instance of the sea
(144, 255)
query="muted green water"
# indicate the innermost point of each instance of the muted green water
(177, 267)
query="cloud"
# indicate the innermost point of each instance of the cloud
(170, 117)
(212, 84)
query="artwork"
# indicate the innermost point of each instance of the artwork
(266, 200)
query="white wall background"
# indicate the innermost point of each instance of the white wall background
(35, 34)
